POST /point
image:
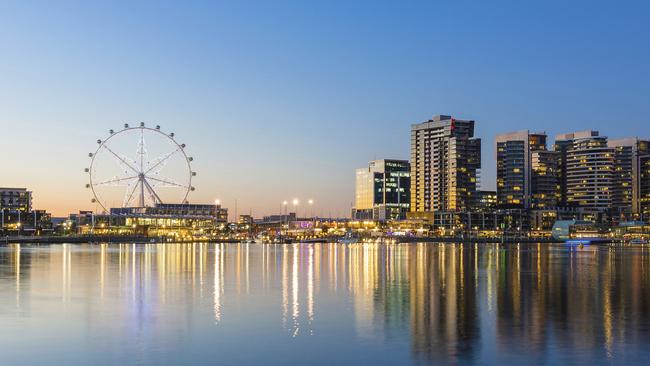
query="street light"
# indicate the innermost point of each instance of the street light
(295, 203)
(284, 214)
(311, 208)
(217, 202)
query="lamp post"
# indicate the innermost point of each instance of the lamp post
(217, 203)
(295, 206)
(283, 215)
(311, 214)
(283, 212)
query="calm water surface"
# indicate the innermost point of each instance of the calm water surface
(188, 304)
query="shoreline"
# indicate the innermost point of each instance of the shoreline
(148, 240)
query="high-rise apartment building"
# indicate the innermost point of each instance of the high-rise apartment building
(586, 169)
(445, 159)
(525, 171)
(561, 148)
(544, 166)
(630, 179)
(382, 190)
(644, 186)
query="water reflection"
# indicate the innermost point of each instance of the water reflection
(218, 281)
(463, 303)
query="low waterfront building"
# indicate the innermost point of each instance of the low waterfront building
(215, 212)
(17, 215)
(451, 222)
(15, 204)
(176, 221)
(544, 219)
(445, 222)
(485, 200)
(629, 230)
(277, 219)
(575, 229)
(245, 220)
(15, 200)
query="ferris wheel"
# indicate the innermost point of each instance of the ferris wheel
(139, 167)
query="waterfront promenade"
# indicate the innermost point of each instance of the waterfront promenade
(54, 239)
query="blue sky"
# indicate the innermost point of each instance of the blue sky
(282, 100)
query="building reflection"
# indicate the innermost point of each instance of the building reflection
(453, 301)
(443, 302)
(299, 266)
(218, 281)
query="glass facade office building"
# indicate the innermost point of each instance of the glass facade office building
(382, 190)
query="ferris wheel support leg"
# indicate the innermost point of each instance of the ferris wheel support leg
(141, 192)
(127, 200)
(152, 191)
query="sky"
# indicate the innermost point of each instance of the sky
(282, 100)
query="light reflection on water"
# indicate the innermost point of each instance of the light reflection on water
(323, 304)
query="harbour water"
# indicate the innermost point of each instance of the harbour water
(323, 304)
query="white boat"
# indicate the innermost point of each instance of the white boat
(348, 238)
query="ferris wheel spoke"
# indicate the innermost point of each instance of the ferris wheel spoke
(158, 168)
(116, 180)
(162, 159)
(128, 200)
(171, 183)
(152, 192)
(122, 159)
(142, 151)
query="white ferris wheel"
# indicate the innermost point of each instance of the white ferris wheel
(139, 167)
